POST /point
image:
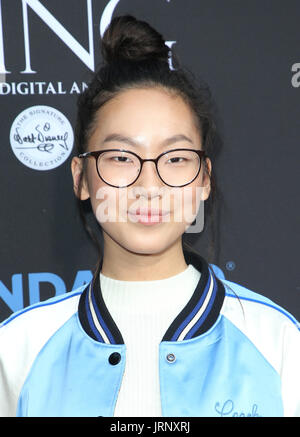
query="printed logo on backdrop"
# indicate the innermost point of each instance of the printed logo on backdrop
(86, 56)
(296, 76)
(41, 137)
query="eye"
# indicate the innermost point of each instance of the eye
(116, 157)
(120, 158)
(176, 159)
(179, 158)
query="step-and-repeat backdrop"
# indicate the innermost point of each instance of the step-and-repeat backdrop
(248, 53)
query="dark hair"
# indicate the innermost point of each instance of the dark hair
(135, 56)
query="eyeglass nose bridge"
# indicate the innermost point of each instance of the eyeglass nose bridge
(155, 160)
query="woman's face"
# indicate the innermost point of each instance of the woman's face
(147, 118)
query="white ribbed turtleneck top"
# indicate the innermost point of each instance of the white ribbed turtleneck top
(143, 311)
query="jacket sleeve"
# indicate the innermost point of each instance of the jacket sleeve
(290, 371)
(22, 336)
(13, 370)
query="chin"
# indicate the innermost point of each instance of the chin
(141, 243)
(145, 247)
(144, 240)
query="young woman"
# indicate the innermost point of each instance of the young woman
(156, 332)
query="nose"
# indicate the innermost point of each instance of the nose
(148, 181)
(148, 176)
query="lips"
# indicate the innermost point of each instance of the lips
(148, 216)
(150, 212)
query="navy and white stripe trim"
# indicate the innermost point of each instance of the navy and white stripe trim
(204, 307)
(95, 317)
(197, 317)
(95, 320)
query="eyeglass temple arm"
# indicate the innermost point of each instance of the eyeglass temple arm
(84, 155)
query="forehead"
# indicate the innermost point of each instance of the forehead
(148, 115)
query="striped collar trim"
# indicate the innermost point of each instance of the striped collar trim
(196, 318)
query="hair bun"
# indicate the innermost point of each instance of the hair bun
(127, 38)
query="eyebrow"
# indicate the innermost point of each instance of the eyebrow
(127, 140)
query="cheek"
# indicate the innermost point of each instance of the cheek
(185, 205)
(194, 197)
(107, 204)
(102, 196)
(187, 201)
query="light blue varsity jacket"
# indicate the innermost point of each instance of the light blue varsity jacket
(229, 352)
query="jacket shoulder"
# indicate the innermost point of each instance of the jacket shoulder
(249, 299)
(28, 313)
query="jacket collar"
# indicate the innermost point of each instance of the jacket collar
(196, 318)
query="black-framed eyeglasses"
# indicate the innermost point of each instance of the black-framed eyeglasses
(121, 168)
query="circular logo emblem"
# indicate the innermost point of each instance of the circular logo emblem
(41, 137)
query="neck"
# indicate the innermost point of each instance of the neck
(132, 266)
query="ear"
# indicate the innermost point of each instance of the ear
(76, 168)
(206, 178)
